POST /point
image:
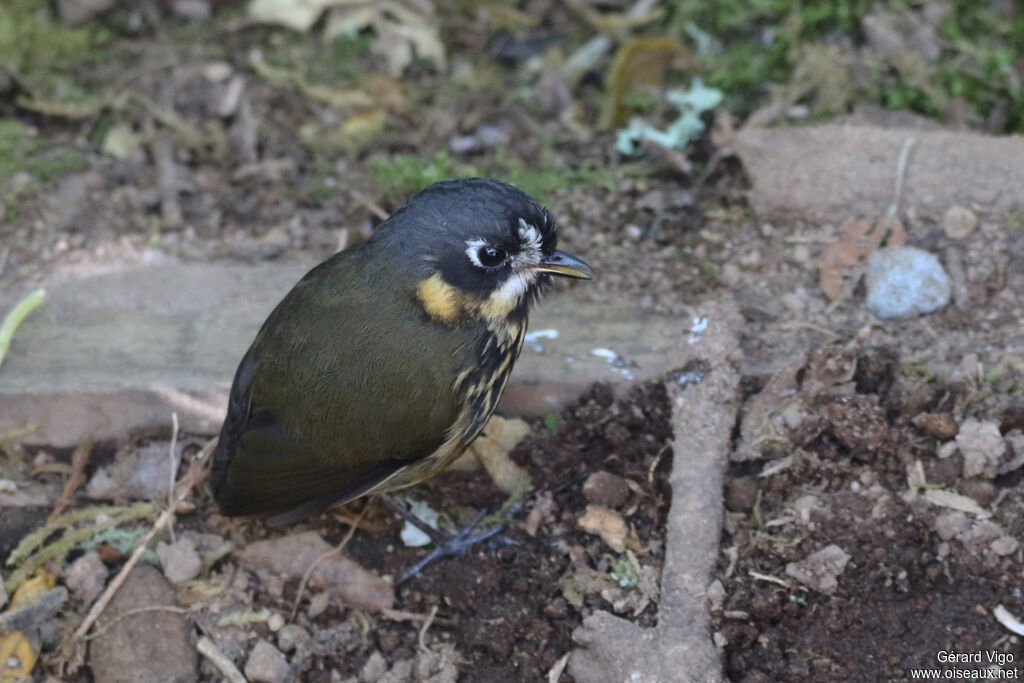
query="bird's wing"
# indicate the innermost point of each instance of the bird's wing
(332, 398)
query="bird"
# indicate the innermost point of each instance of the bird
(385, 361)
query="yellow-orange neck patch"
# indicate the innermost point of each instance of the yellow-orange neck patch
(440, 300)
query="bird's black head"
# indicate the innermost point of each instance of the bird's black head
(480, 246)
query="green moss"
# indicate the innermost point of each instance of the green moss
(761, 43)
(404, 174)
(22, 150)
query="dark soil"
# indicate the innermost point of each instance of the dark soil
(906, 594)
(502, 604)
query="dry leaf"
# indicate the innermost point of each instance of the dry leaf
(638, 63)
(493, 447)
(402, 31)
(606, 523)
(17, 657)
(841, 263)
(955, 501)
(33, 588)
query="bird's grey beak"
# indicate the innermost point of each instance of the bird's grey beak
(566, 265)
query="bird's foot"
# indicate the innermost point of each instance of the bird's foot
(456, 544)
(444, 545)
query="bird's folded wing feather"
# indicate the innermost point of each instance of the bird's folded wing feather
(329, 403)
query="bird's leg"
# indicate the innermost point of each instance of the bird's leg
(444, 545)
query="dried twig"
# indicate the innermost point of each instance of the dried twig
(173, 468)
(79, 459)
(227, 668)
(426, 627)
(334, 551)
(196, 472)
(103, 628)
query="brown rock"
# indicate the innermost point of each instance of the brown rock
(740, 494)
(944, 471)
(605, 488)
(939, 426)
(148, 647)
(981, 490)
(289, 557)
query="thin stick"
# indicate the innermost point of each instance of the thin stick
(193, 476)
(174, 468)
(317, 561)
(219, 660)
(426, 627)
(79, 459)
(103, 628)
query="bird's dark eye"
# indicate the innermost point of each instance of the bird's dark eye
(491, 257)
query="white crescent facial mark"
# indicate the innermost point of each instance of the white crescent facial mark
(472, 251)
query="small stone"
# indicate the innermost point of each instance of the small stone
(981, 490)
(959, 222)
(85, 577)
(374, 668)
(1004, 545)
(179, 559)
(794, 302)
(318, 604)
(275, 623)
(904, 282)
(820, 570)
(292, 637)
(740, 494)
(605, 488)
(981, 444)
(939, 426)
(266, 664)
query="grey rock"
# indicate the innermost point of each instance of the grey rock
(136, 474)
(904, 282)
(825, 174)
(3, 592)
(179, 559)
(144, 647)
(86, 577)
(116, 349)
(266, 664)
(820, 570)
(33, 615)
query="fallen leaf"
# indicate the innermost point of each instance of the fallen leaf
(606, 523)
(33, 588)
(17, 657)
(639, 63)
(492, 447)
(841, 263)
(403, 31)
(955, 501)
(295, 14)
